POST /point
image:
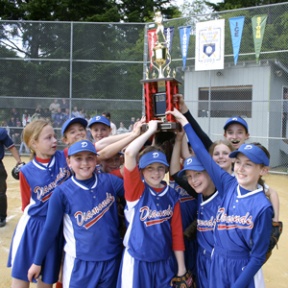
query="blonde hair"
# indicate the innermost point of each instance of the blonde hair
(32, 131)
(218, 142)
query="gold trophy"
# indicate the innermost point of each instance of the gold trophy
(160, 89)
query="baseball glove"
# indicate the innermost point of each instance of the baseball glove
(276, 232)
(184, 281)
(15, 171)
(190, 232)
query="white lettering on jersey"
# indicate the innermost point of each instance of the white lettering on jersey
(149, 216)
(83, 218)
(233, 221)
(45, 192)
(206, 225)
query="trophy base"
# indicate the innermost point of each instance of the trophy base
(165, 127)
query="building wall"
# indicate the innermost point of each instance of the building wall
(265, 123)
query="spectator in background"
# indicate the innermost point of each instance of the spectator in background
(64, 104)
(131, 124)
(82, 113)
(16, 137)
(46, 114)
(14, 113)
(54, 108)
(122, 129)
(37, 113)
(59, 118)
(75, 112)
(12, 124)
(26, 118)
(112, 125)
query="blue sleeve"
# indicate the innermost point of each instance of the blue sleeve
(261, 238)
(118, 185)
(219, 177)
(52, 226)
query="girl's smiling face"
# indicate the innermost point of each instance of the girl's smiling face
(247, 172)
(221, 156)
(99, 131)
(236, 134)
(83, 164)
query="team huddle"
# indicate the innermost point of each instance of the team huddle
(104, 214)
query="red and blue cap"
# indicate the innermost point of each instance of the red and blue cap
(191, 163)
(253, 152)
(71, 121)
(236, 120)
(99, 119)
(82, 146)
(152, 157)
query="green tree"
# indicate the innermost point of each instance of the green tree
(236, 4)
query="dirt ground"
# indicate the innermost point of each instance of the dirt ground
(275, 270)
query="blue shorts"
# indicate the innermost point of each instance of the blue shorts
(79, 273)
(23, 248)
(142, 274)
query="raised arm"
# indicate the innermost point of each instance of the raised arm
(112, 149)
(132, 150)
(178, 98)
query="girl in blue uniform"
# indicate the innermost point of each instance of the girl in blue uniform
(86, 203)
(241, 233)
(188, 203)
(154, 220)
(205, 194)
(38, 179)
(236, 132)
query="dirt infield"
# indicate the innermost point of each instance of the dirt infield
(275, 270)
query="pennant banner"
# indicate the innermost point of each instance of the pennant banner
(184, 32)
(209, 47)
(152, 38)
(258, 26)
(169, 34)
(236, 29)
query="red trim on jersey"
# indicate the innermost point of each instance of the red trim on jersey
(65, 151)
(133, 184)
(177, 230)
(40, 160)
(25, 191)
(117, 173)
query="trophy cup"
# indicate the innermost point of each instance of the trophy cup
(160, 89)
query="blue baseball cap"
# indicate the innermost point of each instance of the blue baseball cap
(191, 163)
(99, 119)
(152, 157)
(81, 146)
(253, 152)
(73, 120)
(236, 120)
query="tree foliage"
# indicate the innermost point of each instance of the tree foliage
(236, 4)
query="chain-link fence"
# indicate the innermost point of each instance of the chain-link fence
(90, 68)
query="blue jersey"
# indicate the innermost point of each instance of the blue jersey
(90, 219)
(206, 221)
(241, 231)
(43, 180)
(188, 205)
(149, 218)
